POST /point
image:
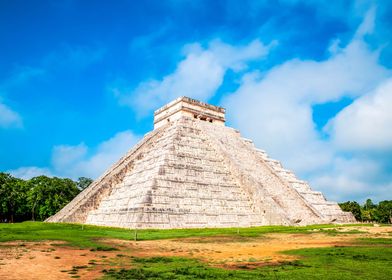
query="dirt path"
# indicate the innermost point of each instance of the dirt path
(51, 260)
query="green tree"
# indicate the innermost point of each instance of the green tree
(19, 197)
(4, 181)
(369, 204)
(383, 212)
(367, 215)
(353, 207)
(83, 182)
(48, 195)
(13, 197)
(368, 210)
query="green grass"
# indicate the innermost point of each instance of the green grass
(88, 236)
(369, 258)
(375, 241)
(72, 234)
(318, 263)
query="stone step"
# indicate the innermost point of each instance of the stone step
(249, 141)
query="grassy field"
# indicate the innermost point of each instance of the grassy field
(322, 263)
(366, 258)
(88, 236)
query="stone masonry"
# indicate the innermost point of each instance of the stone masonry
(192, 171)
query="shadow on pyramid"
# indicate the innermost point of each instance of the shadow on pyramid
(192, 171)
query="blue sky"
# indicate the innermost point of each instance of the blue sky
(309, 81)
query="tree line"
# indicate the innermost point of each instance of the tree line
(369, 211)
(36, 199)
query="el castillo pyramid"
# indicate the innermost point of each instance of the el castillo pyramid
(192, 171)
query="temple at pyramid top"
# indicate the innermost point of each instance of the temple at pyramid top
(185, 106)
(194, 171)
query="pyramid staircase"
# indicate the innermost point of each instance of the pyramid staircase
(191, 172)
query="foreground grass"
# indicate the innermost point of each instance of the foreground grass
(88, 236)
(318, 263)
(369, 258)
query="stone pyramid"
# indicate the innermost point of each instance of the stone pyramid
(192, 171)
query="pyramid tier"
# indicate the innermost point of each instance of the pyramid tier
(189, 173)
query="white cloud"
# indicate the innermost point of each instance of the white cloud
(199, 75)
(9, 118)
(367, 123)
(340, 187)
(77, 161)
(368, 23)
(21, 75)
(357, 178)
(29, 172)
(64, 157)
(80, 160)
(275, 110)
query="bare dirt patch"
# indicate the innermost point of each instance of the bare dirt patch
(253, 252)
(369, 231)
(48, 260)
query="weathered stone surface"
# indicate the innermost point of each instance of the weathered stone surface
(192, 171)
